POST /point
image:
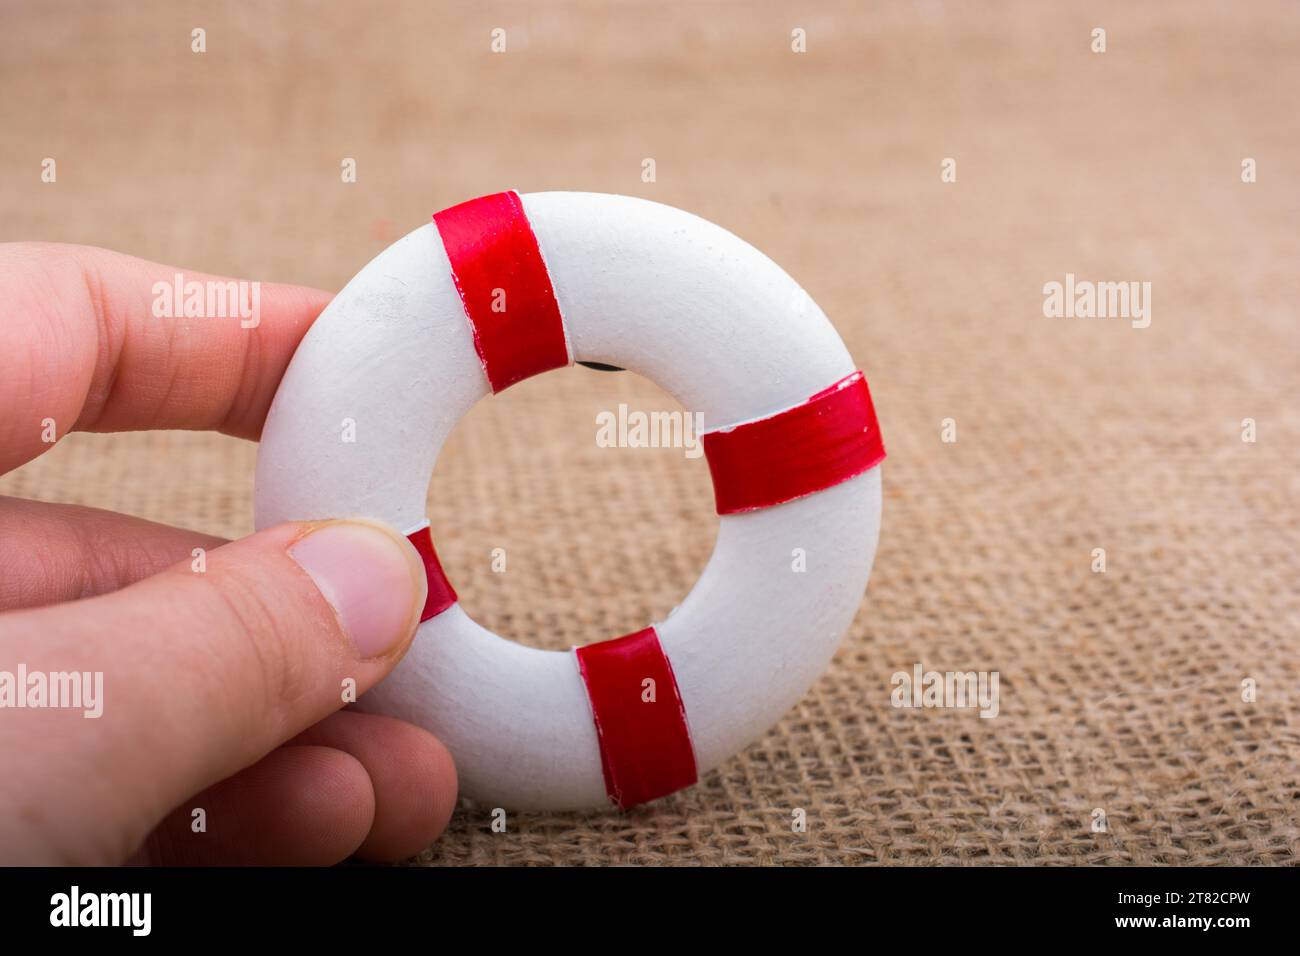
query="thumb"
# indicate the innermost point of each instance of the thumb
(205, 668)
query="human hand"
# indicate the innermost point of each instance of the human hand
(222, 687)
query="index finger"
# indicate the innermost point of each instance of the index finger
(100, 341)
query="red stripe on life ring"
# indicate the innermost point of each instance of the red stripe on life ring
(504, 285)
(830, 438)
(645, 744)
(441, 594)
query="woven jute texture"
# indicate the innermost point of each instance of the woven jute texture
(1121, 691)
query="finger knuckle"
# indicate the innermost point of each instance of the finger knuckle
(269, 642)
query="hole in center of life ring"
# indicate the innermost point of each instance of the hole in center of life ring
(573, 507)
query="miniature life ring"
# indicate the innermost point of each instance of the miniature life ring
(546, 280)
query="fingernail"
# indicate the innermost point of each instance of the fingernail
(371, 576)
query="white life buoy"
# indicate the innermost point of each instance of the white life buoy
(503, 287)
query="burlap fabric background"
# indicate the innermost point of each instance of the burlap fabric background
(1120, 691)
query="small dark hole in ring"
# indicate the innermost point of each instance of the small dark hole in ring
(602, 367)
